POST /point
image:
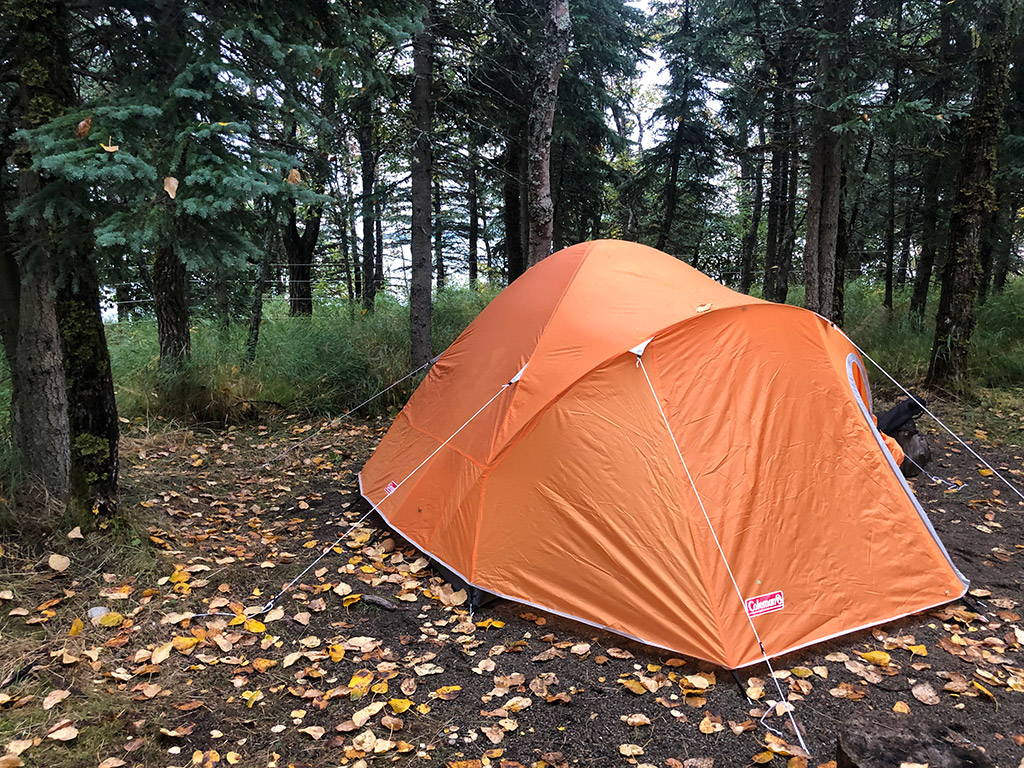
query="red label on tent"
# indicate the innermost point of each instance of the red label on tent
(773, 601)
(391, 488)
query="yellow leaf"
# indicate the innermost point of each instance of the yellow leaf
(76, 627)
(878, 658)
(448, 692)
(109, 146)
(337, 653)
(255, 626)
(111, 619)
(184, 644)
(902, 707)
(985, 472)
(251, 697)
(634, 685)
(351, 600)
(918, 650)
(262, 665)
(763, 757)
(984, 690)
(360, 682)
(398, 706)
(711, 724)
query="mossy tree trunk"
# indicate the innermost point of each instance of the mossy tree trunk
(92, 411)
(975, 201)
(39, 415)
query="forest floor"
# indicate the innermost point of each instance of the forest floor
(371, 658)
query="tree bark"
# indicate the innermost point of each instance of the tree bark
(92, 410)
(826, 192)
(557, 30)
(170, 294)
(474, 224)
(368, 172)
(300, 250)
(256, 314)
(439, 271)
(515, 254)
(40, 429)
(422, 172)
(975, 200)
(933, 177)
(671, 187)
(777, 255)
(753, 177)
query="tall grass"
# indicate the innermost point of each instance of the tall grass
(325, 363)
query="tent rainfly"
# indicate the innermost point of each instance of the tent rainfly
(619, 439)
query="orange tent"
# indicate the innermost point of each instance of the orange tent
(619, 439)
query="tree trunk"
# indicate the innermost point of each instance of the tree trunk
(671, 188)
(557, 30)
(368, 172)
(890, 226)
(256, 315)
(422, 173)
(300, 250)
(776, 267)
(933, 181)
(975, 199)
(170, 294)
(439, 271)
(826, 191)
(753, 176)
(474, 224)
(929, 240)
(92, 411)
(40, 57)
(515, 255)
(1004, 237)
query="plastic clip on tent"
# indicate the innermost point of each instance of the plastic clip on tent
(789, 523)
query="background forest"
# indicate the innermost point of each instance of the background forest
(211, 208)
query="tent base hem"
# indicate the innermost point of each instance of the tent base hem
(479, 597)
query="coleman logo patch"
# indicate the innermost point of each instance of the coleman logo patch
(773, 601)
(393, 486)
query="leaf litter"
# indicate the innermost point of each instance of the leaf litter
(372, 657)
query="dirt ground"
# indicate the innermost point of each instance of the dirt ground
(371, 659)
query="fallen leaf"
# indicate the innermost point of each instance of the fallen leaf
(878, 658)
(54, 698)
(58, 563)
(711, 724)
(630, 750)
(76, 533)
(82, 129)
(636, 719)
(171, 186)
(902, 707)
(924, 693)
(67, 733)
(398, 706)
(315, 731)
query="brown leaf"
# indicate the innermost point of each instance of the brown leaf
(618, 653)
(54, 698)
(924, 693)
(294, 176)
(82, 129)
